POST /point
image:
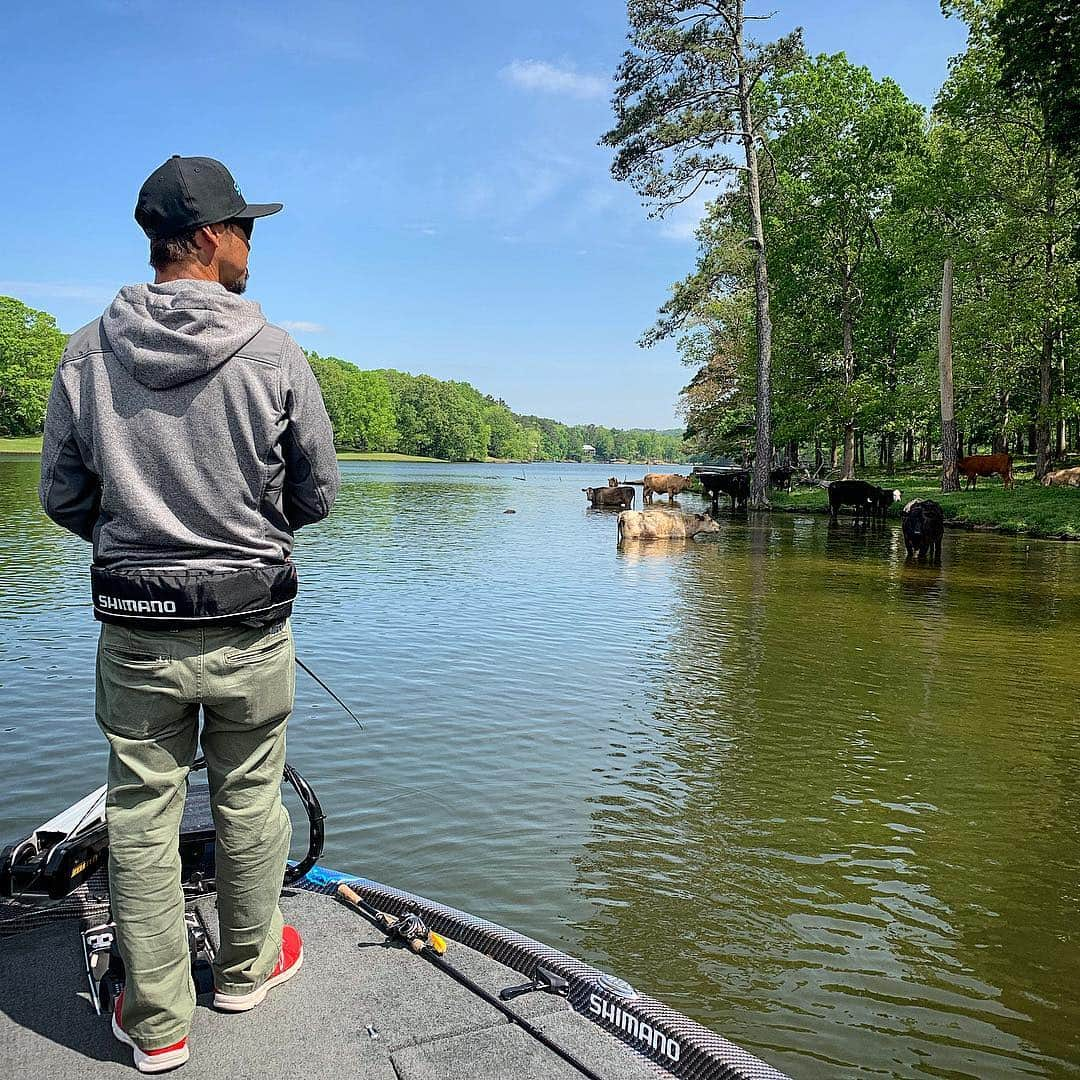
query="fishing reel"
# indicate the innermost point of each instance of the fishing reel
(59, 856)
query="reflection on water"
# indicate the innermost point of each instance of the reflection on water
(823, 800)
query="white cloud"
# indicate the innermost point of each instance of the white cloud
(58, 290)
(303, 327)
(549, 79)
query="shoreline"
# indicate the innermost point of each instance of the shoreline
(956, 522)
(30, 447)
(1029, 510)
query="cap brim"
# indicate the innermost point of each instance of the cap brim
(254, 210)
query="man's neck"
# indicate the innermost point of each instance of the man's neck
(189, 271)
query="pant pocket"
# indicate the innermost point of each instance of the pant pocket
(260, 651)
(138, 686)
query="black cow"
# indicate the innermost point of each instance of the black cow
(870, 502)
(735, 484)
(923, 524)
(780, 477)
(883, 500)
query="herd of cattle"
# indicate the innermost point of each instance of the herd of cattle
(922, 520)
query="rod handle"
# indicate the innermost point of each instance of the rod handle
(357, 901)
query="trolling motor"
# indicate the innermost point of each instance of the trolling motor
(57, 857)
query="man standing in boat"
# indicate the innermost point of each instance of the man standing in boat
(187, 440)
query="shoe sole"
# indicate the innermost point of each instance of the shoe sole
(246, 1002)
(143, 1061)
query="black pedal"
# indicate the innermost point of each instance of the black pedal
(105, 968)
(544, 981)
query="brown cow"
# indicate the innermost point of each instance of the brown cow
(670, 484)
(976, 465)
(1062, 478)
(620, 495)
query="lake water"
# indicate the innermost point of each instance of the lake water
(826, 803)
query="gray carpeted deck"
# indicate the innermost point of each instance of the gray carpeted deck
(428, 1027)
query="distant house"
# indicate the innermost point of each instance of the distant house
(587, 449)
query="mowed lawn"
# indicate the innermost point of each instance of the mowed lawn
(31, 444)
(1027, 509)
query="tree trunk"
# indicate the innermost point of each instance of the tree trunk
(1046, 353)
(819, 456)
(1046, 379)
(847, 471)
(909, 446)
(950, 479)
(890, 451)
(832, 454)
(1060, 440)
(759, 479)
(1001, 436)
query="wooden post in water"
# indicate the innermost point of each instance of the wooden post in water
(950, 481)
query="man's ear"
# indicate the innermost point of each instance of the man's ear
(207, 241)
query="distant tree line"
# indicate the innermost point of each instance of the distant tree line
(392, 411)
(379, 411)
(863, 196)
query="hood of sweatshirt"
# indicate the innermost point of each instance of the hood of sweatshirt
(168, 334)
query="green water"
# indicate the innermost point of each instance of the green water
(822, 801)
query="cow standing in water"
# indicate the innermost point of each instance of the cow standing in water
(664, 525)
(620, 495)
(870, 501)
(923, 523)
(670, 484)
(734, 484)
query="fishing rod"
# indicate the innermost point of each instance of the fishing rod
(410, 929)
(300, 663)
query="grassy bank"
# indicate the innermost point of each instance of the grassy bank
(352, 455)
(32, 445)
(1029, 509)
(17, 447)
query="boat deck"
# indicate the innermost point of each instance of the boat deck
(426, 1026)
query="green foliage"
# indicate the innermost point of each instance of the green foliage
(676, 98)
(358, 403)
(30, 348)
(372, 412)
(864, 197)
(1040, 46)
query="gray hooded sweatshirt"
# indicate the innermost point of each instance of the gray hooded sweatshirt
(184, 431)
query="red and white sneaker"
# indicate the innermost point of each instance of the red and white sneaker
(288, 964)
(150, 1061)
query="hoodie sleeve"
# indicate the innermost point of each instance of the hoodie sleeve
(70, 492)
(311, 470)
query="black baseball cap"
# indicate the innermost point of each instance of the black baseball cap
(187, 192)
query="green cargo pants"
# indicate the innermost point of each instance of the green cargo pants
(150, 685)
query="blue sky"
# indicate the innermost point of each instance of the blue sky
(447, 208)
